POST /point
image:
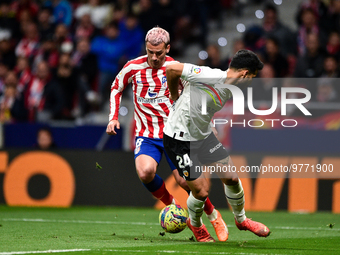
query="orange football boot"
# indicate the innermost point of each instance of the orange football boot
(257, 228)
(220, 227)
(201, 233)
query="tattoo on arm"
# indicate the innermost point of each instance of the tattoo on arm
(224, 161)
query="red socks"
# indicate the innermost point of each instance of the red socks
(208, 206)
(163, 194)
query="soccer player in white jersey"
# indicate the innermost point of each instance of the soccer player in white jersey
(147, 74)
(189, 141)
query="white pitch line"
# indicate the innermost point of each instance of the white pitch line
(304, 228)
(145, 223)
(80, 221)
(40, 252)
(130, 251)
(186, 252)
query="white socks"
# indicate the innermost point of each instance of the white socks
(235, 197)
(195, 209)
(213, 215)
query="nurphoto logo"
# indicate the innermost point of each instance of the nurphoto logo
(238, 105)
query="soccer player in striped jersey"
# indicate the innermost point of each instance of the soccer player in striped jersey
(190, 143)
(147, 74)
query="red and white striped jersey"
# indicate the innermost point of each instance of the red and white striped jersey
(150, 95)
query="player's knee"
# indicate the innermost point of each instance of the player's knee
(232, 181)
(201, 194)
(146, 174)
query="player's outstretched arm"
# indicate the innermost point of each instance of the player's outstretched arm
(173, 73)
(110, 130)
(214, 130)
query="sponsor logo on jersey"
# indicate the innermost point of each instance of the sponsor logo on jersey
(215, 148)
(142, 100)
(151, 94)
(197, 70)
(164, 81)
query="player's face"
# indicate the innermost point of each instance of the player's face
(156, 54)
(44, 139)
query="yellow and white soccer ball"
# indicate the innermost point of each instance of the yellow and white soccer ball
(173, 218)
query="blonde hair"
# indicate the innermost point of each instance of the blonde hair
(157, 35)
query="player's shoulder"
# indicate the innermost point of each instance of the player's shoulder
(137, 63)
(201, 70)
(169, 60)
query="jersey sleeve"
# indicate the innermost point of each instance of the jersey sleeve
(203, 74)
(119, 84)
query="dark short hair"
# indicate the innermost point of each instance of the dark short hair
(274, 40)
(246, 59)
(309, 9)
(270, 7)
(44, 129)
(332, 57)
(48, 9)
(113, 24)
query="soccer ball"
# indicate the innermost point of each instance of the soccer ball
(173, 218)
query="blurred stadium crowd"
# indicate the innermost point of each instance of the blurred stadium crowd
(58, 58)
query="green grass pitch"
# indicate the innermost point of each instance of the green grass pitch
(116, 230)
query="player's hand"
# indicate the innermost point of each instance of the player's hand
(174, 97)
(110, 130)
